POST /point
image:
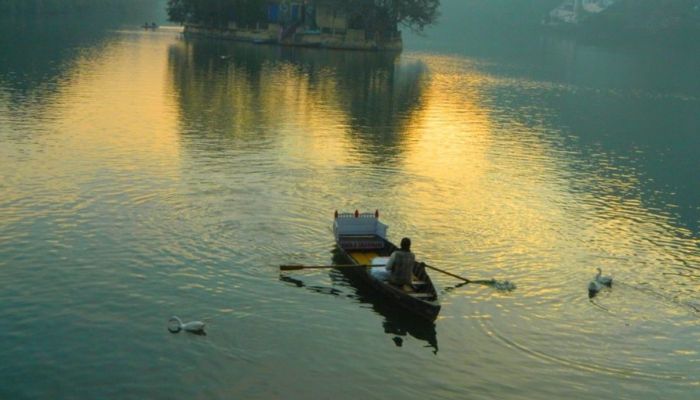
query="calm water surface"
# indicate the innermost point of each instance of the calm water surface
(144, 175)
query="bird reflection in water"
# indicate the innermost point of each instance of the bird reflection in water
(397, 322)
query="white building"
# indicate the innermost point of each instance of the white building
(573, 11)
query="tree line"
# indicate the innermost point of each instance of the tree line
(367, 14)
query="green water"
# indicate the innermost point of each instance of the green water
(144, 175)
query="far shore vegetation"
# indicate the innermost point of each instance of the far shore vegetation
(362, 14)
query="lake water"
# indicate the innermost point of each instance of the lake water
(144, 175)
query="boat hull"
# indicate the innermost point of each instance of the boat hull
(423, 302)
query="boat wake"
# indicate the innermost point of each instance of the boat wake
(674, 301)
(640, 311)
(503, 286)
(588, 366)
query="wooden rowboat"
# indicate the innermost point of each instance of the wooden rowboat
(361, 239)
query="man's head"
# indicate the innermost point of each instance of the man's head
(406, 244)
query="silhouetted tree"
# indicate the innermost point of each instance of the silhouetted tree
(177, 10)
(377, 15)
(388, 14)
(217, 12)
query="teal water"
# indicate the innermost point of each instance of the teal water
(145, 175)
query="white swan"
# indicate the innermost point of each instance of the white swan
(593, 288)
(603, 280)
(193, 326)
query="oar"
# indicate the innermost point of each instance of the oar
(298, 267)
(486, 281)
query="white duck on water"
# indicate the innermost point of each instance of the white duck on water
(598, 282)
(603, 280)
(192, 326)
(593, 288)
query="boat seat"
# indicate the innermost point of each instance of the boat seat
(361, 242)
(419, 283)
(421, 295)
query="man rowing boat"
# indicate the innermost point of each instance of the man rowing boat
(400, 265)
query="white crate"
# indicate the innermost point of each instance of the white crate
(358, 224)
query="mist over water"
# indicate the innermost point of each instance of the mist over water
(145, 175)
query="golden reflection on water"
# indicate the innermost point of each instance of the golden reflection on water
(501, 189)
(489, 187)
(512, 203)
(484, 189)
(443, 156)
(263, 101)
(131, 112)
(108, 125)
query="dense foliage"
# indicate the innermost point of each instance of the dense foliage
(388, 14)
(369, 14)
(217, 12)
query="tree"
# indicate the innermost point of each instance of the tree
(177, 10)
(415, 14)
(217, 13)
(387, 15)
(375, 15)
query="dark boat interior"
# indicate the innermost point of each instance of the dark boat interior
(362, 249)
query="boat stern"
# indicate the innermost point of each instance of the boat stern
(358, 224)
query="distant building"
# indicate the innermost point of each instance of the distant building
(574, 11)
(311, 23)
(287, 11)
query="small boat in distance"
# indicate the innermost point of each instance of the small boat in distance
(361, 239)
